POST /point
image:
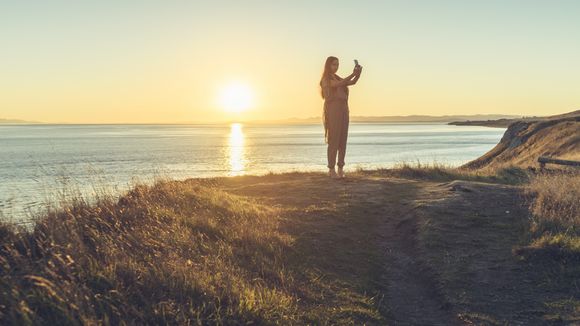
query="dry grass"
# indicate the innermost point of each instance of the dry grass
(190, 252)
(555, 208)
(556, 199)
(186, 252)
(177, 252)
(437, 171)
(552, 242)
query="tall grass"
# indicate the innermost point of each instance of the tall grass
(175, 252)
(439, 171)
(555, 209)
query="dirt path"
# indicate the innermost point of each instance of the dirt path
(444, 248)
(411, 293)
(413, 297)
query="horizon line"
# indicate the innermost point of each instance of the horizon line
(267, 121)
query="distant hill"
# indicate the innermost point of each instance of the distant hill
(370, 119)
(565, 115)
(523, 142)
(394, 118)
(505, 122)
(16, 121)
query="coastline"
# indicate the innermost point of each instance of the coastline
(425, 243)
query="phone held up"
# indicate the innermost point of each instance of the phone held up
(356, 62)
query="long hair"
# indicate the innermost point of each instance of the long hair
(326, 74)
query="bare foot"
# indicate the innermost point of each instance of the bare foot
(340, 172)
(332, 173)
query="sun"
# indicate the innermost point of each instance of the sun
(236, 97)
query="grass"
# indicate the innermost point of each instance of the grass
(294, 248)
(552, 242)
(185, 252)
(555, 214)
(437, 171)
(161, 254)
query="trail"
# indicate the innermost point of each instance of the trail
(445, 246)
(413, 296)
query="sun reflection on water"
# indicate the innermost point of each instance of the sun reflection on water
(236, 149)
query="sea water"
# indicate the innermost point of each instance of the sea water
(39, 162)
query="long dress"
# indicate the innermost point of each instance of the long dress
(336, 120)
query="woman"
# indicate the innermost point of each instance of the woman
(334, 91)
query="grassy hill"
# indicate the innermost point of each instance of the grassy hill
(412, 244)
(525, 141)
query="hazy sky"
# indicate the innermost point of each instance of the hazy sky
(166, 61)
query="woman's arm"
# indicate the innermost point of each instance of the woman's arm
(342, 82)
(356, 77)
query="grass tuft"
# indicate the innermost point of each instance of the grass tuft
(437, 171)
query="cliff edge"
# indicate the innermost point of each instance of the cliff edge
(524, 141)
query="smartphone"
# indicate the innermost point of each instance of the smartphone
(355, 62)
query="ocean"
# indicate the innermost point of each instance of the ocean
(40, 163)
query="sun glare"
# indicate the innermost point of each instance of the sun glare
(236, 97)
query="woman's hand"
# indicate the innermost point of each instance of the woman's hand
(355, 75)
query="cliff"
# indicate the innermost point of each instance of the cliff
(524, 141)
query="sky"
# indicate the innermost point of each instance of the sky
(170, 61)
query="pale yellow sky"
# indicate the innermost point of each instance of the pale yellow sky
(167, 62)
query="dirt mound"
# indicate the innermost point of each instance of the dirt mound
(524, 141)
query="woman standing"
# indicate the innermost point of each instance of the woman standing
(334, 91)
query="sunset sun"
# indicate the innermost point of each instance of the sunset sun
(236, 97)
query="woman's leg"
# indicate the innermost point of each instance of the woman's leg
(333, 123)
(331, 151)
(342, 139)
